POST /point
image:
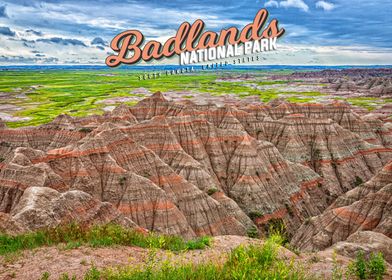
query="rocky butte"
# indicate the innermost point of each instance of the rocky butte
(191, 170)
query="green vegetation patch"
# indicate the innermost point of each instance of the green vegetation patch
(43, 95)
(369, 103)
(252, 262)
(372, 267)
(74, 235)
(50, 93)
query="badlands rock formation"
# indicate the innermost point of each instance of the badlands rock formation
(188, 169)
(351, 82)
(363, 213)
(41, 207)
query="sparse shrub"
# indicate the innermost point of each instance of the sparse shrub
(252, 232)
(199, 243)
(72, 245)
(5, 144)
(360, 265)
(75, 235)
(358, 181)
(337, 271)
(65, 276)
(85, 130)
(315, 258)
(212, 190)
(293, 249)
(2, 159)
(376, 266)
(45, 275)
(93, 274)
(255, 214)
(277, 227)
(316, 154)
(288, 208)
(122, 180)
(371, 268)
(252, 262)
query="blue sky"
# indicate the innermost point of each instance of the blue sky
(317, 32)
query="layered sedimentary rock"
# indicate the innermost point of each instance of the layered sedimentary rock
(353, 73)
(41, 207)
(198, 169)
(368, 127)
(373, 86)
(367, 241)
(347, 82)
(367, 207)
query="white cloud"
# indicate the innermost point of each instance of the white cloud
(301, 54)
(326, 6)
(300, 4)
(271, 3)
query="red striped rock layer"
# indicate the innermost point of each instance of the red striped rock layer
(372, 130)
(337, 154)
(156, 162)
(331, 139)
(364, 82)
(62, 131)
(111, 162)
(251, 172)
(41, 207)
(365, 208)
(114, 167)
(381, 179)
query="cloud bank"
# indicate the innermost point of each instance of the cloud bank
(77, 31)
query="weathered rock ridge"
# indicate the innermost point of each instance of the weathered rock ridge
(366, 208)
(187, 169)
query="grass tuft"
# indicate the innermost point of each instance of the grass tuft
(372, 267)
(252, 262)
(74, 235)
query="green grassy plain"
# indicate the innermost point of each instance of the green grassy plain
(53, 92)
(43, 95)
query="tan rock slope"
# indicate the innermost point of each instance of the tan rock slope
(359, 216)
(366, 82)
(41, 207)
(182, 168)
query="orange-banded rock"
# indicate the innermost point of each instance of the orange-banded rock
(199, 169)
(154, 106)
(41, 207)
(366, 208)
(381, 179)
(97, 166)
(44, 138)
(251, 172)
(367, 242)
(335, 153)
(369, 129)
